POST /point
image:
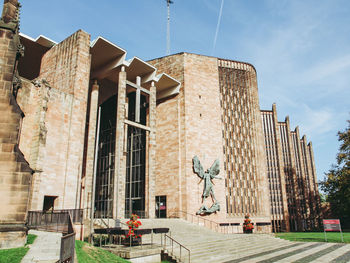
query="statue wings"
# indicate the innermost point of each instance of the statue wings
(214, 169)
(197, 167)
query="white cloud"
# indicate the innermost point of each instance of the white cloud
(326, 69)
(317, 122)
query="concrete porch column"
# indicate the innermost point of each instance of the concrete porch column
(120, 156)
(90, 152)
(152, 151)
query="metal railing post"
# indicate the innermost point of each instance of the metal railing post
(180, 253)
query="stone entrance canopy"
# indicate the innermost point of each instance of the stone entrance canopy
(112, 75)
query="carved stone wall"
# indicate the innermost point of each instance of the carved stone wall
(54, 127)
(15, 173)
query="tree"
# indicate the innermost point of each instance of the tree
(336, 183)
(323, 198)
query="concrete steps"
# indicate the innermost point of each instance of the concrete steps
(208, 246)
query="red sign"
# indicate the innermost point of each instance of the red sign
(331, 225)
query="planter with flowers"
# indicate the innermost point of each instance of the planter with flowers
(248, 225)
(131, 238)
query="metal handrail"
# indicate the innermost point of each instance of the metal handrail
(216, 225)
(140, 213)
(124, 224)
(107, 225)
(180, 245)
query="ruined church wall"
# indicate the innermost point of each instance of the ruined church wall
(53, 130)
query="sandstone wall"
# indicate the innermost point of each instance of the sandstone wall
(170, 139)
(53, 130)
(15, 173)
(192, 124)
(203, 129)
(187, 125)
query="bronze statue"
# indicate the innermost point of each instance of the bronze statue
(208, 190)
(205, 210)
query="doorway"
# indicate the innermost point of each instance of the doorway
(161, 206)
(49, 203)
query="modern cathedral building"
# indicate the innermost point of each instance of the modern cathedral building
(83, 127)
(294, 196)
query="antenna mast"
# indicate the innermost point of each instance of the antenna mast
(168, 28)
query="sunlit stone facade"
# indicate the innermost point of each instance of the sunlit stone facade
(82, 127)
(295, 201)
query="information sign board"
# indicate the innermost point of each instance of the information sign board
(332, 225)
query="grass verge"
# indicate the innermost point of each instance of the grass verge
(333, 237)
(15, 255)
(89, 254)
(30, 239)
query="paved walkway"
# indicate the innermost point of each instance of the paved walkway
(208, 246)
(45, 249)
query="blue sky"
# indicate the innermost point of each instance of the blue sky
(300, 48)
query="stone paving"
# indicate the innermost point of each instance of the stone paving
(45, 249)
(208, 246)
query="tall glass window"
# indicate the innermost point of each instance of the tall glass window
(136, 161)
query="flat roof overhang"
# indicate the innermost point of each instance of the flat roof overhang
(34, 49)
(107, 59)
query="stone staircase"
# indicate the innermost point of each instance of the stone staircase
(14, 169)
(208, 246)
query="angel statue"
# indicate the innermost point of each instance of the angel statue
(208, 190)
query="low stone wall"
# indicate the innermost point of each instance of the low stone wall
(12, 236)
(138, 254)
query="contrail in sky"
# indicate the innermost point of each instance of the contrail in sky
(217, 26)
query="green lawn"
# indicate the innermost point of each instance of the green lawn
(15, 255)
(334, 237)
(89, 254)
(31, 238)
